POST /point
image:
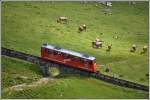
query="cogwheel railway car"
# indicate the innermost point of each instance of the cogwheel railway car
(68, 57)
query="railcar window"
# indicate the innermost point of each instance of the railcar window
(66, 56)
(59, 53)
(85, 60)
(55, 52)
(90, 62)
(74, 58)
(62, 54)
(82, 61)
(50, 52)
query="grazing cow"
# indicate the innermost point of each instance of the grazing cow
(84, 27)
(62, 20)
(144, 49)
(80, 29)
(109, 47)
(134, 47)
(97, 43)
(93, 44)
(97, 40)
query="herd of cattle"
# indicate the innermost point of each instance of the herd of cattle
(97, 42)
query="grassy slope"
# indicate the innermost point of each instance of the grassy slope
(70, 86)
(26, 25)
(12, 69)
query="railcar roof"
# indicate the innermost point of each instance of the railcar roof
(68, 52)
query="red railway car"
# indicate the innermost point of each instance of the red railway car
(68, 57)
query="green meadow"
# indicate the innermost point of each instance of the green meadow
(27, 25)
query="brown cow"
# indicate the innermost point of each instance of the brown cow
(109, 47)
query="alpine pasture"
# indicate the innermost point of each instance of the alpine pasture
(27, 25)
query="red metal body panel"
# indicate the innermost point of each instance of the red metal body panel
(74, 62)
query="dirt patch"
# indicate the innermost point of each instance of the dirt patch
(21, 87)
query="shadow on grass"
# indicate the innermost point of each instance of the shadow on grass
(71, 75)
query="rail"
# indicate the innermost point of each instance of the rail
(97, 75)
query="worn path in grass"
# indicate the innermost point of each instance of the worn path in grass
(21, 87)
(67, 86)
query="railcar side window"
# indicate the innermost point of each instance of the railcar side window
(71, 57)
(82, 61)
(50, 51)
(59, 53)
(55, 52)
(74, 58)
(90, 63)
(66, 56)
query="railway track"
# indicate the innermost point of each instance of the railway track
(44, 64)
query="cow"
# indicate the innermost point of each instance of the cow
(62, 20)
(109, 47)
(97, 43)
(134, 47)
(145, 48)
(82, 28)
